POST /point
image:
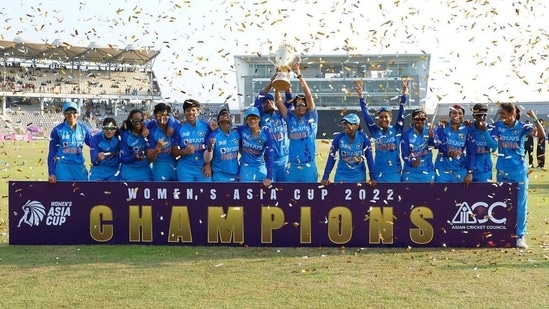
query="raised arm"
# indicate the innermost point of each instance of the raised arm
(540, 132)
(399, 123)
(308, 96)
(280, 104)
(258, 100)
(369, 120)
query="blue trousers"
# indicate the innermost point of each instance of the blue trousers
(519, 176)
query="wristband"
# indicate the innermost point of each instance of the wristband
(299, 76)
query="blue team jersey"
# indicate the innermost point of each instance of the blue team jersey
(66, 145)
(256, 151)
(130, 146)
(302, 135)
(485, 145)
(155, 134)
(511, 144)
(186, 135)
(387, 143)
(415, 146)
(351, 156)
(225, 151)
(277, 126)
(447, 139)
(279, 133)
(109, 147)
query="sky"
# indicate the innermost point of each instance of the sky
(482, 51)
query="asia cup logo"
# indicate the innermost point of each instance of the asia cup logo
(33, 213)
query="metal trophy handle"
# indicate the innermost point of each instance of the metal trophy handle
(285, 55)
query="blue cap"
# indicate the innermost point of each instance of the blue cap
(252, 111)
(351, 118)
(68, 105)
(383, 109)
(265, 97)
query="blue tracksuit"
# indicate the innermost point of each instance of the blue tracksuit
(387, 144)
(109, 168)
(351, 153)
(224, 163)
(133, 147)
(256, 155)
(302, 152)
(448, 169)
(65, 157)
(189, 167)
(163, 168)
(417, 147)
(279, 131)
(511, 165)
(485, 146)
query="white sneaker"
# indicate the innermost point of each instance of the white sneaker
(521, 243)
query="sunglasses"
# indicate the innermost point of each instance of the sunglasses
(479, 115)
(70, 112)
(162, 114)
(109, 128)
(300, 105)
(420, 118)
(137, 120)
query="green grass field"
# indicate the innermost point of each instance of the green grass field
(108, 276)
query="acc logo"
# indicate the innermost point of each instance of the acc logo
(33, 213)
(478, 213)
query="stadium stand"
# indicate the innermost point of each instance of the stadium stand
(36, 79)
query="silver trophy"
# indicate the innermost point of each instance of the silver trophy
(284, 57)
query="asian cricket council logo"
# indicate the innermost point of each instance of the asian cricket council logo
(34, 213)
(480, 216)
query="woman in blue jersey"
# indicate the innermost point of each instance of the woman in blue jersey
(302, 129)
(271, 118)
(256, 150)
(387, 137)
(456, 149)
(159, 145)
(105, 153)
(485, 145)
(417, 150)
(65, 156)
(511, 165)
(189, 142)
(222, 151)
(352, 147)
(133, 144)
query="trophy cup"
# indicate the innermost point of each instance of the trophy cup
(284, 57)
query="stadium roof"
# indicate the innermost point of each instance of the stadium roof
(64, 52)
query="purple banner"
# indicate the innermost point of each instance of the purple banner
(285, 215)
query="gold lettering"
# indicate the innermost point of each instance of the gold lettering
(100, 231)
(226, 226)
(140, 227)
(271, 218)
(305, 225)
(180, 225)
(340, 225)
(381, 225)
(424, 233)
